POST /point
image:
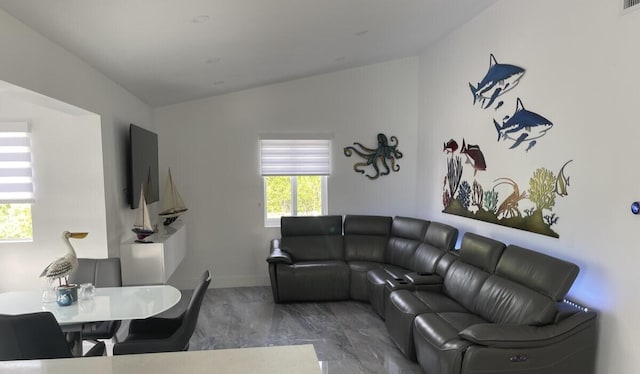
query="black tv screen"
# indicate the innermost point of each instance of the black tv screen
(143, 166)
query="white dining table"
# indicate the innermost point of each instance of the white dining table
(108, 304)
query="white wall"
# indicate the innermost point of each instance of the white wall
(69, 191)
(31, 61)
(211, 146)
(582, 73)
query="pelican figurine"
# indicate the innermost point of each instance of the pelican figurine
(63, 266)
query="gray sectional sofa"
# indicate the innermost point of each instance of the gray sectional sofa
(485, 308)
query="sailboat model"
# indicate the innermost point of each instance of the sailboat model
(142, 225)
(172, 204)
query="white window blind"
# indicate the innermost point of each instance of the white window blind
(16, 183)
(295, 157)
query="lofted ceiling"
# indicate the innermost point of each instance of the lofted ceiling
(170, 51)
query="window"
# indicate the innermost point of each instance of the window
(295, 177)
(16, 184)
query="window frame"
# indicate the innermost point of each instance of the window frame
(17, 164)
(275, 222)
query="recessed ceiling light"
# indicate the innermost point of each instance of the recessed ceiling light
(200, 19)
(360, 33)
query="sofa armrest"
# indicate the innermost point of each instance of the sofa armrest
(520, 336)
(419, 279)
(277, 255)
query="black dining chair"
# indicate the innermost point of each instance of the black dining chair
(157, 334)
(102, 272)
(36, 336)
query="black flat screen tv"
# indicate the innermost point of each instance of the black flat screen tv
(142, 166)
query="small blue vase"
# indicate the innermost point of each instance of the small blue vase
(64, 297)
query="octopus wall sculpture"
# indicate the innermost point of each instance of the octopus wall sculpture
(384, 155)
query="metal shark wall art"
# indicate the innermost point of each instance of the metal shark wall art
(523, 126)
(499, 79)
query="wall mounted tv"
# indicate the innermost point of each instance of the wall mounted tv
(142, 166)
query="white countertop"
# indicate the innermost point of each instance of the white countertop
(297, 359)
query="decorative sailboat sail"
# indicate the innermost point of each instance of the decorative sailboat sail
(172, 204)
(142, 225)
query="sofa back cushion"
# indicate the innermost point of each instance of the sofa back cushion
(462, 283)
(312, 238)
(548, 275)
(406, 236)
(439, 239)
(464, 278)
(505, 302)
(365, 237)
(525, 288)
(441, 236)
(480, 251)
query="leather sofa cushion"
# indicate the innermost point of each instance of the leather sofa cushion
(311, 226)
(505, 302)
(548, 275)
(313, 280)
(367, 225)
(437, 302)
(463, 282)
(365, 237)
(400, 251)
(426, 258)
(409, 228)
(441, 236)
(313, 248)
(359, 288)
(480, 251)
(312, 238)
(441, 329)
(445, 262)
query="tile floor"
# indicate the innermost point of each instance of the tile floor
(348, 336)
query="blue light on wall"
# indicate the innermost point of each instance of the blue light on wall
(635, 207)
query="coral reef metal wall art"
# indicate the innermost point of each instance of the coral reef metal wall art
(383, 156)
(504, 202)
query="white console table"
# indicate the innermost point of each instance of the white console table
(153, 263)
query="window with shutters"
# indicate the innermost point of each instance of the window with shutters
(294, 173)
(16, 182)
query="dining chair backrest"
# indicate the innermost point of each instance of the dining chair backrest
(161, 334)
(31, 336)
(190, 316)
(102, 272)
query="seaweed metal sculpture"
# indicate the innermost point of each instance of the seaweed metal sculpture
(551, 219)
(464, 195)
(379, 155)
(454, 173)
(477, 194)
(542, 189)
(491, 201)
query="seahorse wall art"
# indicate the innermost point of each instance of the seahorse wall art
(503, 201)
(520, 126)
(385, 156)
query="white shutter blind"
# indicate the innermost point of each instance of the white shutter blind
(295, 157)
(16, 183)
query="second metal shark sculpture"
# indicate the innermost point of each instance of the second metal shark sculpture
(523, 126)
(499, 79)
